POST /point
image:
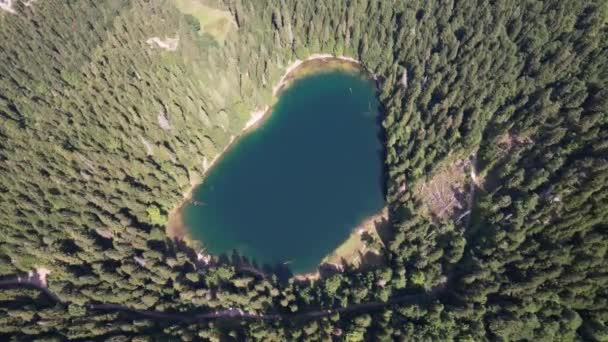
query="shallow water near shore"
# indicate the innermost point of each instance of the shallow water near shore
(290, 191)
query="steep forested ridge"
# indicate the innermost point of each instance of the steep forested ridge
(102, 129)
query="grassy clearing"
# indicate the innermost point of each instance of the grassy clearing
(363, 245)
(213, 21)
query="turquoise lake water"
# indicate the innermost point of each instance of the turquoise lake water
(290, 191)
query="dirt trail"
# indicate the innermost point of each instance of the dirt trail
(37, 280)
(33, 279)
(475, 182)
(235, 313)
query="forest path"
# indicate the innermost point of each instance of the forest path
(474, 184)
(232, 313)
(36, 280)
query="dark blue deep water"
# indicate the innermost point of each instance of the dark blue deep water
(291, 190)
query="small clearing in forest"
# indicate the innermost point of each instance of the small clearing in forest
(7, 5)
(169, 44)
(509, 141)
(213, 21)
(446, 194)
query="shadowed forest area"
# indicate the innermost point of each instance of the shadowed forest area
(110, 111)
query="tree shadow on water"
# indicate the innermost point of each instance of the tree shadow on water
(279, 271)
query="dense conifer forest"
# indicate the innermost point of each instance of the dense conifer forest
(110, 110)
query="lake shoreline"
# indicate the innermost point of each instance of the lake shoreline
(176, 228)
(334, 259)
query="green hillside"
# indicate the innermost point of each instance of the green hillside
(496, 136)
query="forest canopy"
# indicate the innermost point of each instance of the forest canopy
(110, 110)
